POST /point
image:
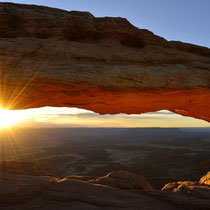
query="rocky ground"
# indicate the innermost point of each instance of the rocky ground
(159, 169)
(170, 156)
(116, 190)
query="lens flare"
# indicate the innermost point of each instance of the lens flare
(9, 117)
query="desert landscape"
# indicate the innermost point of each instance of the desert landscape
(161, 155)
(138, 160)
(68, 79)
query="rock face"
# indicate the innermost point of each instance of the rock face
(19, 191)
(205, 179)
(124, 180)
(191, 188)
(197, 193)
(51, 57)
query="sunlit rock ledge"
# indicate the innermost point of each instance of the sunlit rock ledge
(30, 188)
(52, 57)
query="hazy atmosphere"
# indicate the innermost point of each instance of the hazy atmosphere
(73, 117)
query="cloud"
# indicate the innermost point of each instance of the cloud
(106, 116)
(161, 112)
(68, 117)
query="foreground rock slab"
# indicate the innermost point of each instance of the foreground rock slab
(52, 57)
(197, 193)
(31, 192)
(124, 180)
(18, 191)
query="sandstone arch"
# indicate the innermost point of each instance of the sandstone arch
(51, 57)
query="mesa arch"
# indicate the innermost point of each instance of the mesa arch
(52, 57)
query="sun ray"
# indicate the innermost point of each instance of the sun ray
(8, 118)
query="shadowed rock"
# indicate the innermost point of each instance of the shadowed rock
(16, 167)
(197, 193)
(124, 180)
(42, 192)
(192, 188)
(52, 57)
(29, 192)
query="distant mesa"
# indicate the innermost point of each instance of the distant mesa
(52, 57)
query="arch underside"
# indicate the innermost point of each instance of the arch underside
(50, 57)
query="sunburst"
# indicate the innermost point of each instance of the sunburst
(9, 118)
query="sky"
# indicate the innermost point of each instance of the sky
(73, 117)
(183, 20)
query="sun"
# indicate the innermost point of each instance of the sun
(8, 117)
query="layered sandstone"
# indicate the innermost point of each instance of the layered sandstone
(124, 180)
(51, 57)
(25, 191)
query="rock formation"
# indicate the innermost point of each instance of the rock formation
(198, 193)
(19, 191)
(124, 180)
(51, 57)
(205, 179)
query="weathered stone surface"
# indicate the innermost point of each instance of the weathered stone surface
(124, 180)
(205, 179)
(180, 199)
(191, 188)
(43, 192)
(30, 192)
(51, 57)
(197, 193)
(15, 189)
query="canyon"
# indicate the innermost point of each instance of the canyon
(52, 57)
(105, 168)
